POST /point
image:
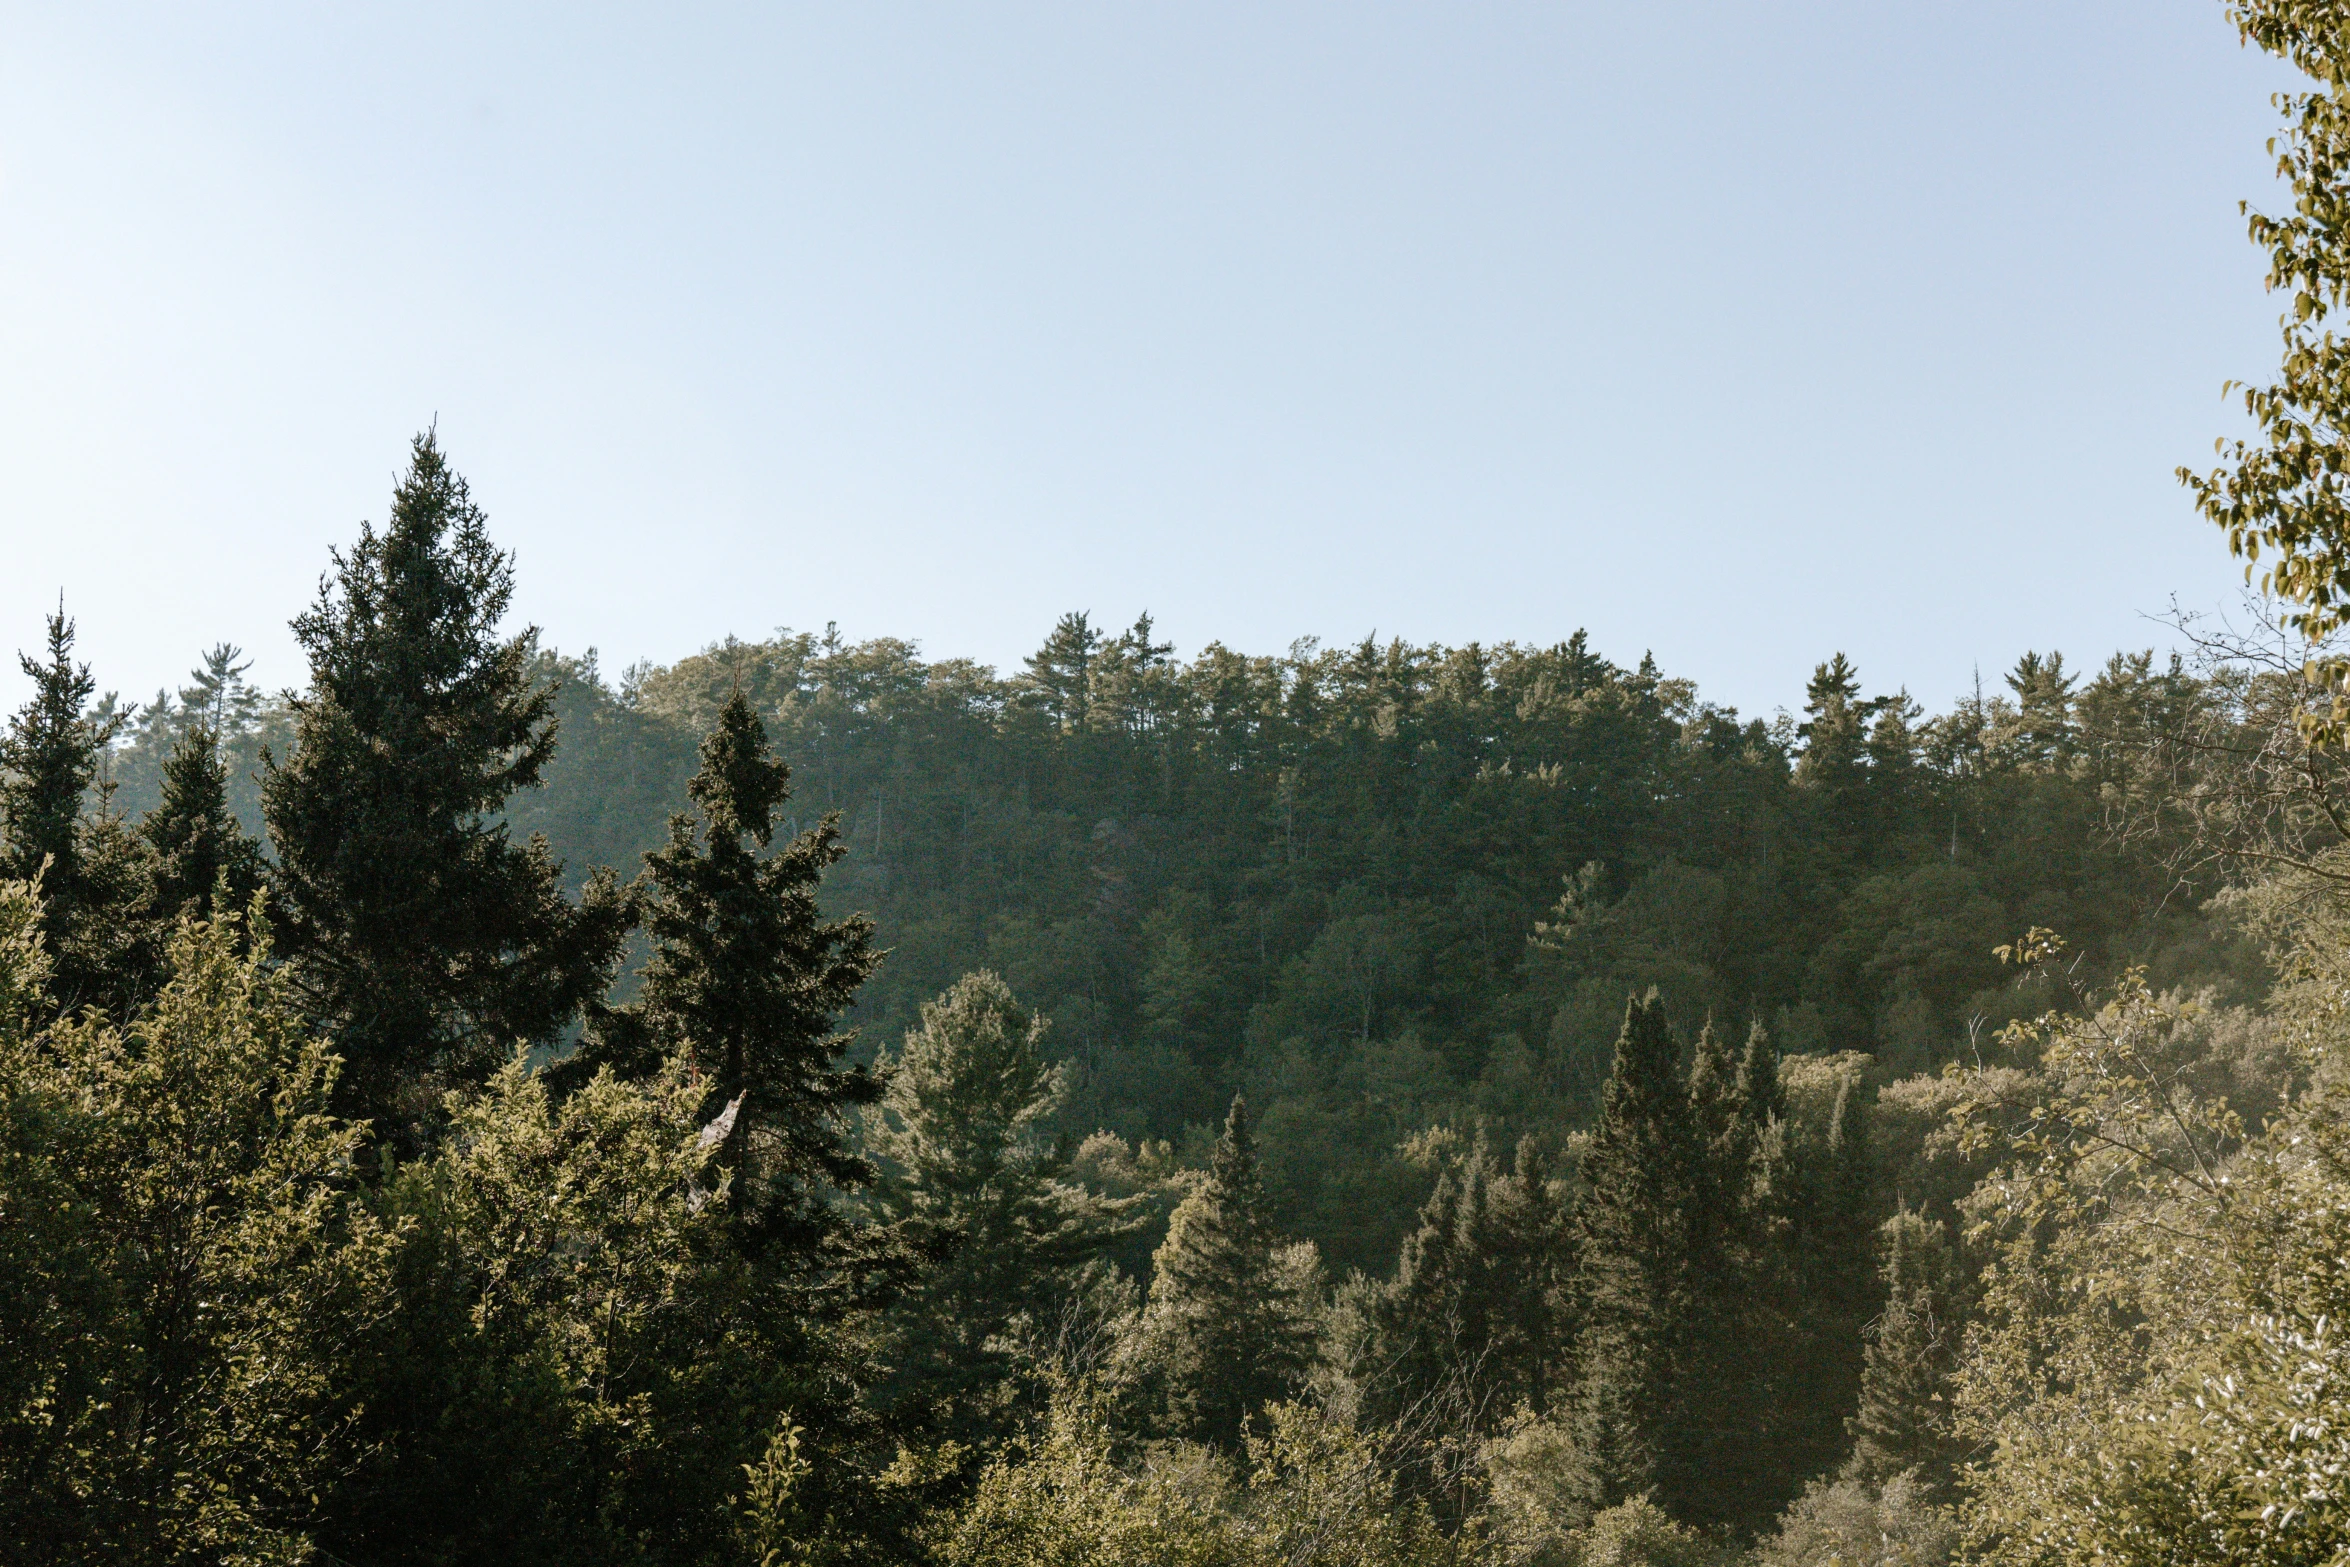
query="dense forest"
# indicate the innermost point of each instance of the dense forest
(1393, 888)
(818, 1103)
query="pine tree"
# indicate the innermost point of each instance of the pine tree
(89, 867)
(52, 759)
(1059, 678)
(1834, 730)
(745, 981)
(2044, 707)
(197, 842)
(218, 696)
(1632, 1282)
(427, 942)
(1833, 783)
(1226, 1323)
(1904, 1418)
(966, 1168)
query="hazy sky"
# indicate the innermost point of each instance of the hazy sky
(1739, 332)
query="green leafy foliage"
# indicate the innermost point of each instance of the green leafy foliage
(185, 1269)
(2282, 496)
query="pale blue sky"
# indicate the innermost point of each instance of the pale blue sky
(1742, 332)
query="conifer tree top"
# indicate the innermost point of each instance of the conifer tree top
(404, 637)
(1759, 1094)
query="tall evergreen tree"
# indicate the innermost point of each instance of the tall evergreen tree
(197, 841)
(1226, 1323)
(746, 981)
(1832, 1252)
(1904, 1418)
(1469, 1329)
(426, 940)
(1761, 1098)
(1535, 1244)
(967, 1168)
(1834, 788)
(61, 829)
(1435, 1319)
(1725, 1435)
(1059, 677)
(1633, 1287)
(52, 759)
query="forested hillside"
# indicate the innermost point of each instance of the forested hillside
(1394, 887)
(814, 1104)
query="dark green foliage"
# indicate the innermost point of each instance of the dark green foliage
(1311, 876)
(426, 939)
(1828, 1290)
(52, 757)
(62, 830)
(1778, 1259)
(608, 1302)
(645, 1313)
(1732, 1338)
(1058, 683)
(1634, 1288)
(199, 848)
(746, 982)
(1722, 1276)
(1473, 1325)
(968, 1171)
(618, 775)
(1761, 1100)
(1229, 1322)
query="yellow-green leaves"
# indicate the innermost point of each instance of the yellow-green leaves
(2281, 495)
(177, 1314)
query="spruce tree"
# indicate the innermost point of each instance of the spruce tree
(1534, 1245)
(1904, 1419)
(1831, 1246)
(60, 829)
(196, 840)
(1761, 1100)
(1633, 1287)
(1434, 1319)
(52, 757)
(746, 980)
(968, 1170)
(1729, 1398)
(1225, 1322)
(1468, 1330)
(425, 940)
